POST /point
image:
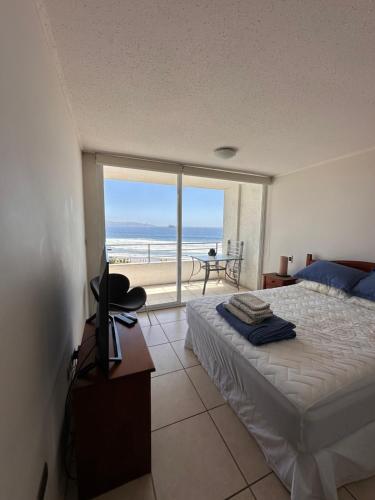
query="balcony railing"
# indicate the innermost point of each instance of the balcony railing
(153, 252)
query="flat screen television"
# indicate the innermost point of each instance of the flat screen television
(106, 328)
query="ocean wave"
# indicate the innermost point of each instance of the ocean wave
(137, 241)
(142, 250)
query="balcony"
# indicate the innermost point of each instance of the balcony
(153, 265)
(143, 252)
(159, 294)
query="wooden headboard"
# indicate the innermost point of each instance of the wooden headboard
(357, 264)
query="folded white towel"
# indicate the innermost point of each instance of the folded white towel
(239, 314)
(251, 301)
(243, 316)
(264, 313)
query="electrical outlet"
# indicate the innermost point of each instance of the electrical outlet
(290, 258)
(43, 482)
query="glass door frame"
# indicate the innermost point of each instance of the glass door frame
(179, 239)
(178, 185)
(178, 302)
(178, 169)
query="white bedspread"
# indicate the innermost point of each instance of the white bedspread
(312, 391)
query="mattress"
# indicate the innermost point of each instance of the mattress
(313, 390)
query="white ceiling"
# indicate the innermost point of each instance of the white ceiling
(290, 83)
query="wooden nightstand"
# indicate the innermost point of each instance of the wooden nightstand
(272, 280)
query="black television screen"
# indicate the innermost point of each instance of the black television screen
(106, 329)
(102, 316)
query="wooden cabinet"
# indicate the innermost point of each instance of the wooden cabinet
(273, 280)
(112, 415)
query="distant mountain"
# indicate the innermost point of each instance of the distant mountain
(130, 223)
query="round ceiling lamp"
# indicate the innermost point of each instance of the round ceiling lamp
(225, 152)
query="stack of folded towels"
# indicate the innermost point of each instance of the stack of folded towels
(254, 319)
(248, 308)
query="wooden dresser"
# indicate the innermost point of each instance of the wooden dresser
(272, 280)
(112, 415)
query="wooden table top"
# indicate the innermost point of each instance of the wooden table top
(136, 357)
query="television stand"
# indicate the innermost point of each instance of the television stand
(112, 415)
(115, 337)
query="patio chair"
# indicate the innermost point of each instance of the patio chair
(233, 267)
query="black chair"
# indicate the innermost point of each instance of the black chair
(121, 299)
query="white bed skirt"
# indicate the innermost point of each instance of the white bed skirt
(308, 476)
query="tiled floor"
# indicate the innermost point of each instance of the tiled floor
(160, 294)
(200, 449)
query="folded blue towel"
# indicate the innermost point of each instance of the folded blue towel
(270, 330)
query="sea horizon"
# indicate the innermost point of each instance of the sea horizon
(117, 232)
(135, 243)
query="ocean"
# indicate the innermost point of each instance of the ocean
(141, 243)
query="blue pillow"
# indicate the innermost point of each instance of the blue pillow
(365, 288)
(331, 274)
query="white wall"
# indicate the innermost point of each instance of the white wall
(231, 213)
(250, 219)
(157, 273)
(242, 221)
(326, 210)
(93, 188)
(42, 254)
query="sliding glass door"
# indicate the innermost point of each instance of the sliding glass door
(202, 230)
(158, 224)
(142, 237)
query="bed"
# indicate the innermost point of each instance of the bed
(309, 402)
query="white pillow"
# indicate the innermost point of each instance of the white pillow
(324, 289)
(358, 301)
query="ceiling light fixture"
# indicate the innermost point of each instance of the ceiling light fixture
(225, 152)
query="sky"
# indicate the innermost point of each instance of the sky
(157, 204)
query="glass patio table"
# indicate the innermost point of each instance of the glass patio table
(208, 263)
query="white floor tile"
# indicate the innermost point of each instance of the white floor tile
(242, 445)
(343, 494)
(270, 488)
(185, 355)
(144, 319)
(191, 461)
(154, 335)
(173, 398)
(165, 359)
(176, 330)
(139, 489)
(207, 390)
(170, 315)
(363, 490)
(244, 495)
